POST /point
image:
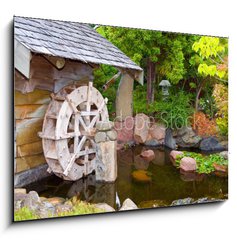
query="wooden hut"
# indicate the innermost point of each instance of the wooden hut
(50, 55)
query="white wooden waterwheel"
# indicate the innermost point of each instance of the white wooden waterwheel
(69, 128)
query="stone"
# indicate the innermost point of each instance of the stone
(211, 144)
(55, 200)
(107, 169)
(175, 153)
(141, 176)
(112, 135)
(224, 154)
(140, 163)
(128, 204)
(62, 208)
(220, 168)
(157, 132)
(183, 201)
(141, 130)
(187, 138)
(188, 164)
(100, 137)
(148, 155)
(20, 190)
(169, 140)
(153, 143)
(32, 200)
(104, 126)
(45, 210)
(104, 207)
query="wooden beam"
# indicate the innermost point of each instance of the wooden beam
(22, 58)
(57, 62)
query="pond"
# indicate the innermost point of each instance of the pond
(166, 185)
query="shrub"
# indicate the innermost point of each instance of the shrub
(203, 125)
(220, 95)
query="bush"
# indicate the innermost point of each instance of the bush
(220, 95)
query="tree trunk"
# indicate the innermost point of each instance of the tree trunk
(198, 94)
(151, 74)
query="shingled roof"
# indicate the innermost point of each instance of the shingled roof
(71, 40)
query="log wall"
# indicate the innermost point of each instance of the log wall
(32, 97)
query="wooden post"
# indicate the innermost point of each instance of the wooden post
(124, 98)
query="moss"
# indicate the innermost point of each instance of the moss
(24, 214)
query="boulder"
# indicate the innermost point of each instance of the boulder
(211, 144)
(104, 126)
(128, 204)
(187, 138)
(112, 135)
(153, 143)
(174, 154)
(105, 207)
(125, 132)
(169, 140)
(148, 155)
(188, 164)
(141, 130)
(224, 154)
(100, 137)
(31, 201)
(183, 201)
(157, 132)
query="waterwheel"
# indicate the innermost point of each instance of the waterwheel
(69, 129)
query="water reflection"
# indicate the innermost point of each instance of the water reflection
(167, 183)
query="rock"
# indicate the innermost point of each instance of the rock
(174, 154)
(141, 129)
(184, 201)
(153, 143)
(63, 208)
(104, 126)
(188, 164)
(19, 196)
(19, 191)
(224, 144)
(128, 204)
(211, 144)
(45, 210)
(55, 200)
(148, 155)
(141, 176)
(220, 168)
(224, 154)
(32, 200)
(112, 134)
(152, 204)
(157, 132)
(169, 140)
(100, 137)
(17, 205)
(187, 138)
(105, 207)
(140, 163)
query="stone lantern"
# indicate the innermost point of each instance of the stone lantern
(165, 84)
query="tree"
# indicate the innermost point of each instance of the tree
(212, 61)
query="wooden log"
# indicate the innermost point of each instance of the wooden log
(58, 62)
(25, 163)
(29, 149)
(27, 130)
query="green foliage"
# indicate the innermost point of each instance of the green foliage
(204, 163)
(211, 50)
(24, 214)
(174, 111)
(220, 95)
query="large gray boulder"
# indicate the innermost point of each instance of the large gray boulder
(169, 139)
(187, 138)
(211, 144)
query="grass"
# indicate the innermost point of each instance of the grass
(79, 208)
(204, 163)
